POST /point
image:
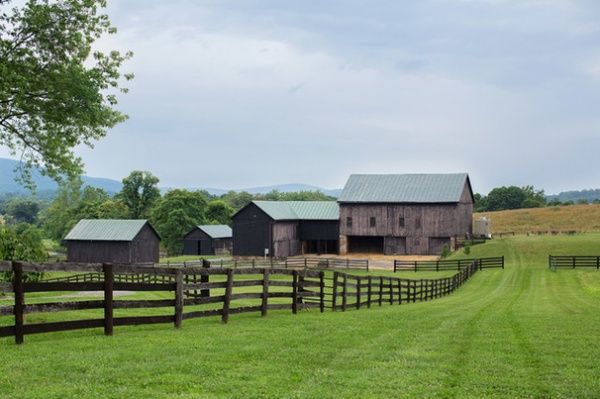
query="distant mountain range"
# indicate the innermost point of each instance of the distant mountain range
(8, 185)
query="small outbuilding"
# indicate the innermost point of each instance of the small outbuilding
(115, 241)
(286, 228)
(208, 240)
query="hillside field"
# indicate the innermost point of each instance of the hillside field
(579, 218)
(521, 332)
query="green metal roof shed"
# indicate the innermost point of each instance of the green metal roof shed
(300, 210)
(116, 241)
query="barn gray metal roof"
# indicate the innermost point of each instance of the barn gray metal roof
(217, 231)
(405, 188)
(300, 210)
(106, 230)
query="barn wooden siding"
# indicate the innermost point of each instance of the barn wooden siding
(144, 248)
(252, 231)
(256, 231)
(198, 242)
(404, 228)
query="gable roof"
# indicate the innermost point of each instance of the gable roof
(107, 230)
(405, 188)
(300, 210)
(217, 230)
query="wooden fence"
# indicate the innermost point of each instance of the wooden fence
(555, 262)
(199, 292)
(313, 263)
(359, 291)
(442, 265)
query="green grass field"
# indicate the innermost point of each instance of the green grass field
(521, 332)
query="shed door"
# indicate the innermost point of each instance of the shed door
(436, 244)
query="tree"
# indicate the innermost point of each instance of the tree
(21, 246)
(237, 200)
(139, 194)
(55, 93)
(113, 210)
(218, 212)
(23, 210)
(533, 198)
(503, 198)
(61, 216)
(176, 214)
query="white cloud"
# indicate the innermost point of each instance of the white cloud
(237, 94)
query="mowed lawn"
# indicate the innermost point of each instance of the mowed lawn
(521, 332)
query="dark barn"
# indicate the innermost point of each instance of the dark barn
(415, 214)
(115, 241)
(286, 228)
(208, 240)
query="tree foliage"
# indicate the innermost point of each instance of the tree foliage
(74, 203)
(139, 194)
(506, 198)
(56, 92)
(178, 212)
(23, 244)
(218, 212)
(23, 210)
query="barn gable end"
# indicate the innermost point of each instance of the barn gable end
(115, 241)
(286, 228)
(414, 214)
(208, 240)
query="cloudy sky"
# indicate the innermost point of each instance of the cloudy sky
(235, 94)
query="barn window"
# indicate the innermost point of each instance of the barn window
(401, 222)
(373, 222)
(348, 222)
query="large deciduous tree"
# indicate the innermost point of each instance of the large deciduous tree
(140, 193)
(176, 214)
(56, 92)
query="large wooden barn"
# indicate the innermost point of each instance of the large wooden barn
(286, 228)
(412, 214)
(115, 241)
(208, 240)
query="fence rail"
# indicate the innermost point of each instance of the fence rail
(357, 291)
(203, 292)
(443, 265)
(555, 262)
(313, 263)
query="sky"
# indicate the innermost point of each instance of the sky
(234, 94)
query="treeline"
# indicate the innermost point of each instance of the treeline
(173, 214)
(507, 198)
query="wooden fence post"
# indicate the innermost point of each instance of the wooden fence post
(109, 279)
(322, 291)
(19, 308)
(344, 292)
(205, 293)
(295, 292)
(370, 291)
(265, 293)
(178, 298)
(334, 293)
(227, 299)
(358, 292)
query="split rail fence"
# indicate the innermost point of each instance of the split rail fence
(444, 265)
(198, 292)
(555, 262)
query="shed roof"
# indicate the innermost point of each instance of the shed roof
(405, 188)
(217, 230)
(106, 230)
(300, 210)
